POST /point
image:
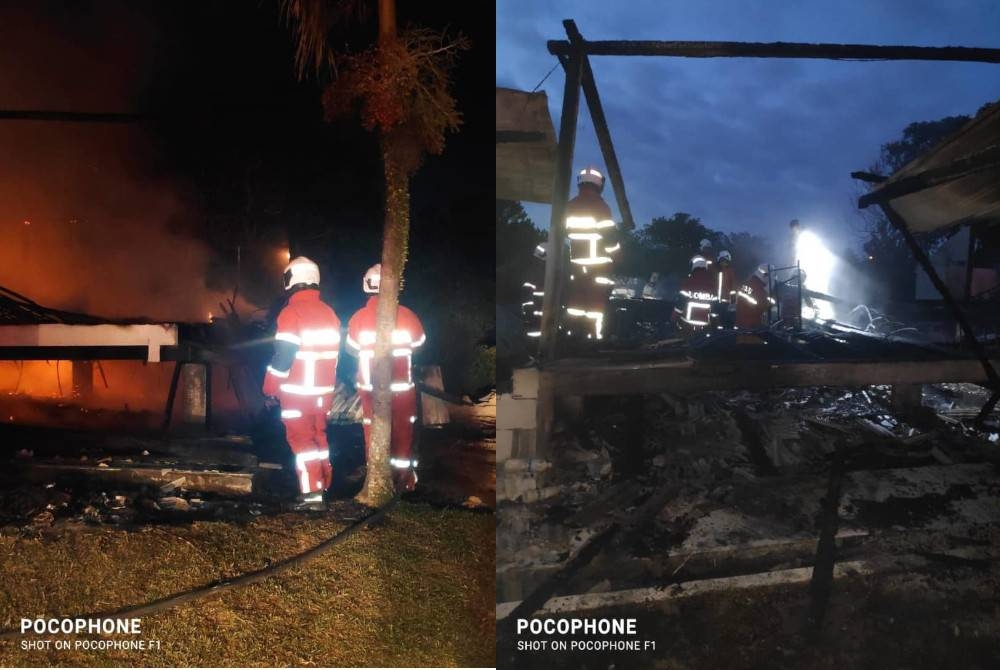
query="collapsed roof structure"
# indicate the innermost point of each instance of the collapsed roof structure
(954, 184)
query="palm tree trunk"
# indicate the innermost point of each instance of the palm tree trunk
(378, 483)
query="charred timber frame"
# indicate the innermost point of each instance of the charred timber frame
(587, 378)
(573, 54)
(992, 379)
(987, 159)
(152, 343)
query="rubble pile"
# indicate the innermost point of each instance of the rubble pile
(747, 470)
(29, 510)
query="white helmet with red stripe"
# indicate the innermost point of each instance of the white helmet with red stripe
(301, 271)
(372, 279)
(590, 175)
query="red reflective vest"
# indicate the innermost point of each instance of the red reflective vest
(752, 303)
(698, 292)
(591, 232)
(406, 336)
(725, 283)
(303, 372)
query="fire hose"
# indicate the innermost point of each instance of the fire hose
(223, 585)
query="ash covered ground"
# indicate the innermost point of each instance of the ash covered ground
(710, 490)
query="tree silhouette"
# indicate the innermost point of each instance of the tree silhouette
(399, 87)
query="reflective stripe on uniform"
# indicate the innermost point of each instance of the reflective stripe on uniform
(400, 386)
(316, 455)
(299, 389)
(316, 355)
(321, 336)
(300, 465)
(402, 463)
(278, 373)
(288, 337)
(290, 414)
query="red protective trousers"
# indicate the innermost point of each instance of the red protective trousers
(404, 415)
(306, 436)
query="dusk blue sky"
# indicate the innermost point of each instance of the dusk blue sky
(748, 144)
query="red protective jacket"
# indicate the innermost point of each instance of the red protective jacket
(406, 336)
(752, 303)
(725, 283)
(698, 292)
(303, 372)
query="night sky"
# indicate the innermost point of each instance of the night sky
(749, 144)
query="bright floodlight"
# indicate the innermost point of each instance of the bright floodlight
(818, 264)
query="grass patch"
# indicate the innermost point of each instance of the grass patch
(418, 590)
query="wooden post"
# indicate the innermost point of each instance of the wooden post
(968, 264)
(928, 267)
(208, 396)
(593, 99)
(168, 411)
(554, 261)
(193, 394)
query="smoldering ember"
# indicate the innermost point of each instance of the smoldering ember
(246, 334)
(771, 445)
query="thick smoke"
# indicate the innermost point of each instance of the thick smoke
(86, 221)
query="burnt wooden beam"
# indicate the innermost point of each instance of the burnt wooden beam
(870, 177)
(168, 410)
(208, 481)
(700, 49)
(925, 262)
(68, 117)
(601, 129)
(686, 377)
(554, 260)
(987, 159)
(518, 136)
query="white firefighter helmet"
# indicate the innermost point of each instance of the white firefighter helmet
(302, 271)
(705, 244)
(541, 250)
(373, 278)
(699, 262)
(762, 272)
(590, 175)
(724, 256)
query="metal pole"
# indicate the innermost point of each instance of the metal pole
(551, 301)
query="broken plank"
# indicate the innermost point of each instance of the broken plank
(227, 483)
(655, 595)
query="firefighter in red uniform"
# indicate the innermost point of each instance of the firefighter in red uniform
(725, 284)
(693, 308)
(407, 335)
(593, 243)
(303, 373)
(753, 301)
